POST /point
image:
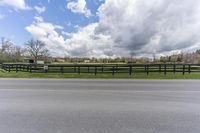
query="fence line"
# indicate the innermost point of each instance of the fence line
(103, 68)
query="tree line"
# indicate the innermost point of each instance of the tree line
(37, 50)
(33, 49)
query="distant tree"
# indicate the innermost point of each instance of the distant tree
(169, 59)
(198, 51)
(154, 58)
(9, 52)
(179, 59)
(5, 45)
(17, 53)
(37, 49)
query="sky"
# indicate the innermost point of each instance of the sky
(104, 28)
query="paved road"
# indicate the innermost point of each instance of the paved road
(99, 106)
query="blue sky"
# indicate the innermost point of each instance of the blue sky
(104, 28)
(14, 20)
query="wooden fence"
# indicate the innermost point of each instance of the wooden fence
(103, 68)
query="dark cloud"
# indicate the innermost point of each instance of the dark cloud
(133, 24)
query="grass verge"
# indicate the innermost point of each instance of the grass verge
(4, 74)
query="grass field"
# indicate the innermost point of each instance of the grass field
(4, 74)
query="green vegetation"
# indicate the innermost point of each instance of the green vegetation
(4, 74)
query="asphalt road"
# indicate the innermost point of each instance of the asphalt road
(99, 106)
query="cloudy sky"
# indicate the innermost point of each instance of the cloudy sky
(104, 28)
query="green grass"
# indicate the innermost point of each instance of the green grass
(4, 74)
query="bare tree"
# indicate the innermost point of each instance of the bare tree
(17, 52)
(9, 52)
(6, 45)
(36, 49)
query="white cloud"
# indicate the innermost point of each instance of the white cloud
(2, 16)
(79, 6)
(82, 43)
(40, 9)
(39, 19)
(47, 32)
(66, 34)
(86, 43)
(40, 29)
(17, 4)
(129, 27)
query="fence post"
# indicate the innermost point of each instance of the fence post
(27, 68)
(61, 69)
(174, 68)
(16, 68)
(9, 68)
(189, 68)
(184, 69)
(30, 68)
(5, 68)
(79, 70)
(165, 69)
(95, 70)
(147, 69)
(116, 68)
(113, 70)
(88, 69)
(130, 70)
(102, 68)
(159, 68)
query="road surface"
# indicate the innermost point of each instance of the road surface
(99, 106)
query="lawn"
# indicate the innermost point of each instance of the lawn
(4, 74)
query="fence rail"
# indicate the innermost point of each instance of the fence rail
(103, 68)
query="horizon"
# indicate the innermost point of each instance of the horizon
(104, 28)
